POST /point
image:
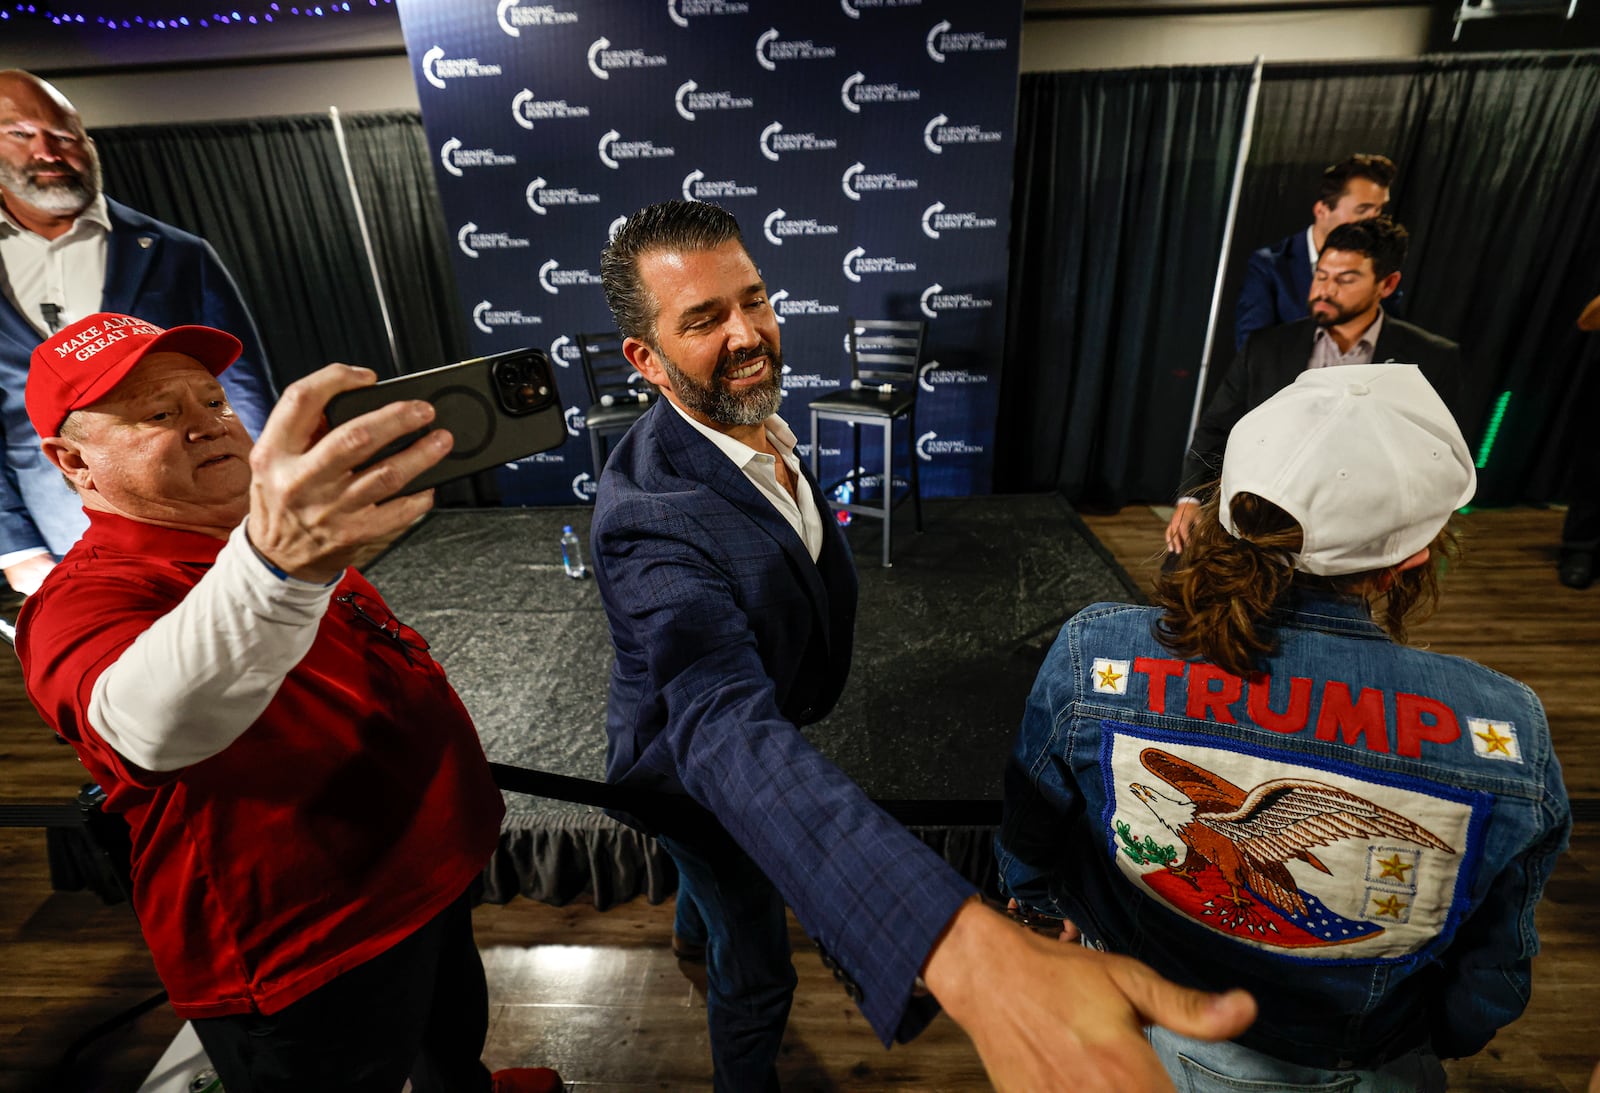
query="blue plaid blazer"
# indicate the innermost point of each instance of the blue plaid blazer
(727, 637)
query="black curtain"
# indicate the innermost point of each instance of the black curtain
(270, 195)
(394, 178)
(1499, 186)
(1119, 206)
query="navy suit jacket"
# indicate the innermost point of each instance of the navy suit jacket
(727, 637)
(1270, 361)
(163, 275)
(1277, 281)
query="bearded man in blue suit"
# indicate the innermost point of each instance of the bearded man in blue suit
(731, 599)
(66, 252)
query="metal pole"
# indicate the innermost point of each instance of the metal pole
(1227, 244)
(366, 237)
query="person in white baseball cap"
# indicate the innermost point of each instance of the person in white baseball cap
(1255, 784)
(1349, 474)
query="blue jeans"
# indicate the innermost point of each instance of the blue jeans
(1199, 1067)
(725, 900)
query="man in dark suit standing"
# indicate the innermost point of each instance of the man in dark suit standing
(67, 252)
(1278, 278)
(731, 600)
(1358, 268)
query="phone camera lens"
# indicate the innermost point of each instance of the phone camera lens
(523, 385)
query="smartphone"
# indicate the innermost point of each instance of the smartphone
(498, 409)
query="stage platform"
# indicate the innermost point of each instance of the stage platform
(948, 641)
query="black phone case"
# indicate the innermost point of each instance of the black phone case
(499, 409)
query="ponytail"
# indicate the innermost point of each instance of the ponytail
(1218, 598)
(1217, 602)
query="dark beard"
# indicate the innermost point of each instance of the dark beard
(1339, 315)
(717, 402)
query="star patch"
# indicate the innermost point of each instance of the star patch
(1109, 677)
(1393, 865)
(1390, 906)
(1494, 739)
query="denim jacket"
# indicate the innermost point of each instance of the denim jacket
(1357, 836)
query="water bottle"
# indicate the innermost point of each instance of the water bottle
(572, 554)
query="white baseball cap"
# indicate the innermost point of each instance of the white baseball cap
(1366, 457)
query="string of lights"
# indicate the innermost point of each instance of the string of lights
(232, 17)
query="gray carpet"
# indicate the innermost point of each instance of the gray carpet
(947, 645)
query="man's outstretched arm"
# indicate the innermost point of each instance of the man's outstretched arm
(1049, 1016)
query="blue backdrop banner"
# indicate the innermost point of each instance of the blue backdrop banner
(864, 145)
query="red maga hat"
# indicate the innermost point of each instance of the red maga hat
(81, 363)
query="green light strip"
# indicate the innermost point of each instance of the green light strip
(1493, 430)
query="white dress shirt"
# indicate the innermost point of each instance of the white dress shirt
(68, 271)
(762, 470)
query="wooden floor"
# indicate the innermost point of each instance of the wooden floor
(600, 997)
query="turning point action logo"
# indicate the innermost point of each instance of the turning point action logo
(770, 49)
(939, 132)
(525, 109)
(931, 374)
(856, 182)
(857, 263)
(696, 188)
(680, 11)
(603, 59)
(613, 149)
(783, 308)
(689, 98)
(564, 351)
(453, 157)
(471, 240)
(935, 221)
(929, 445)
(856, 91)
(777, 227)
(512, 16)
(486, 318)
(437, 68)
(584, 487)
(552, 278)
(541, 197)
(942, 41)
(935, 299)
(774, 142)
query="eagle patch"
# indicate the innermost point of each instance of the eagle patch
(1314, 859)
